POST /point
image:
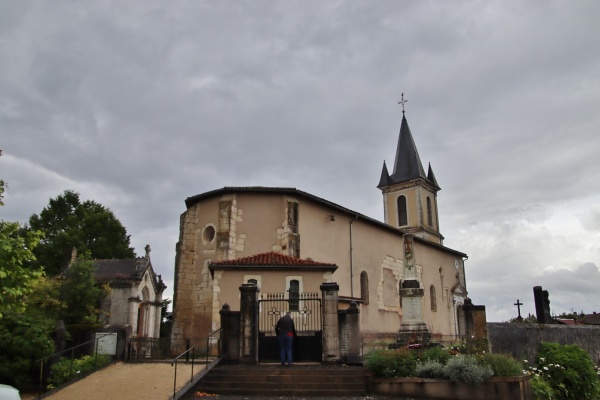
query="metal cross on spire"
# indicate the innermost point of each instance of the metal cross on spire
(402, 102)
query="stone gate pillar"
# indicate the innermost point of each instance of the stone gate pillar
(331, 339)
(351, 335)
(249, 323)
(230, 334)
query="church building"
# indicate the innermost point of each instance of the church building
(287, 242)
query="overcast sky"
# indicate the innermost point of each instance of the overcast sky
(138, 105)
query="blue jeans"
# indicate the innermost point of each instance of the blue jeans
(285, 348)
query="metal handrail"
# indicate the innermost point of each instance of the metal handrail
(72, 349)
(187, 355)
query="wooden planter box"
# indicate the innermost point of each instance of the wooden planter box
(496, 388)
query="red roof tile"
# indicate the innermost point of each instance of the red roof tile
(271, 259)
(591, 319)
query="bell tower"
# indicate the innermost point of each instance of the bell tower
(409, 194)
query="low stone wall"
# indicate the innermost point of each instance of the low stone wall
(522, 340)
(497, 388)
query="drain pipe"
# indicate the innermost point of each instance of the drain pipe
(351, 259)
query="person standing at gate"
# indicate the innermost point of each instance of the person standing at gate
(285, 331)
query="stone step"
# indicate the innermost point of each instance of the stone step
(275, 380)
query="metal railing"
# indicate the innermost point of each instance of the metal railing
(191, 353)
(72, 358)
(305, 309)
(152, 349)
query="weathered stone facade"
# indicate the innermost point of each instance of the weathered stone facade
(370, 260)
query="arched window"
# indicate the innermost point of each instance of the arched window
(432, 298)
(402, 212)
(253, 281)
(294, 297)
(364, 287)
(143, 311)
(429, 212)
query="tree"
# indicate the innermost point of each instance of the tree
(26, 335)
(16, 276)
(79, 294)
(166, 319)
(88, 226)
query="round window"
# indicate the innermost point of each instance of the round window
(208, 235)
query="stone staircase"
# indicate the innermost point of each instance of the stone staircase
(274, 380)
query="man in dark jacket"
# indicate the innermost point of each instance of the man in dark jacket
(285, 331)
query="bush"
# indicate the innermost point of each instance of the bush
(541, 389)
(391, 363)
(466, 369)
(569, 370)
(502, 364)
(435, 354)
(65, 370)
(430, 369)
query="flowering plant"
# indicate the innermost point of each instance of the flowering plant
(568, 370)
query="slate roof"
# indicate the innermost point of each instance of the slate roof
(119, 269)
(126, 270)
(272, 260)
(407, 164)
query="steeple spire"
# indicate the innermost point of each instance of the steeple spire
(409, 192)
(385, 176)
(407, 164)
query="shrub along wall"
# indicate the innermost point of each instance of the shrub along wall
(522, 340)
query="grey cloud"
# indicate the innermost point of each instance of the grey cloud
(139, 105)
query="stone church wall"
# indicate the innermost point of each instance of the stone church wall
(522, 340)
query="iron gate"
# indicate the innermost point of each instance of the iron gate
(306, 313)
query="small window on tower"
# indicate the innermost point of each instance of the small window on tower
(402, 212)
(429, 212)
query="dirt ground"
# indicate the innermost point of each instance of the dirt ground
(148, 381)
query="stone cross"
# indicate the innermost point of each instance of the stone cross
(519, 304)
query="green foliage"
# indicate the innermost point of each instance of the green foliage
(66, 370)
(502, 364)
(79, 293)
(530, 319)
(89, 227)
(16, 277)
(437, 363)
(165, 321)
(25, 336)
(391, 363)
(431, 369)
(569, 370)
(435, 354)
(477, 345)
(541, 389)
(463, 368)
